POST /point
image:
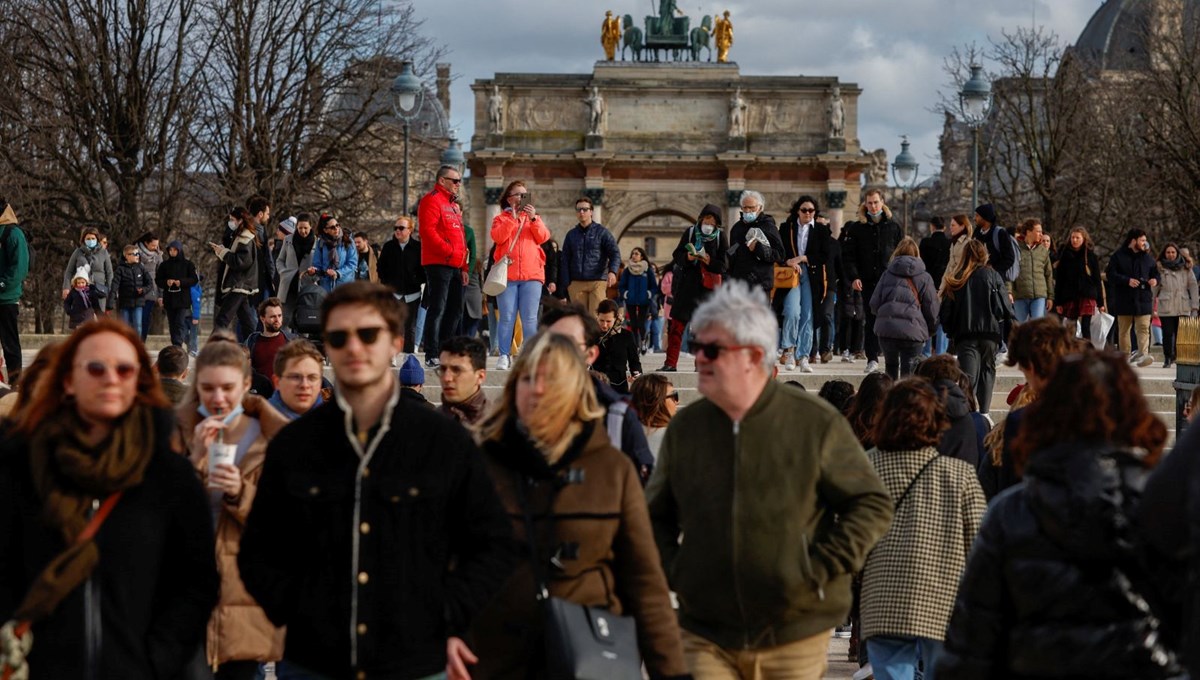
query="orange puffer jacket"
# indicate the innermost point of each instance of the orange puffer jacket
(528, 258)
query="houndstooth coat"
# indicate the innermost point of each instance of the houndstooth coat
(911, 577)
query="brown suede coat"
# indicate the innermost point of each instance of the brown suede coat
(604, 523)
(238, 629)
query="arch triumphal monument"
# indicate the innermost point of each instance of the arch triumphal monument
(652, 143)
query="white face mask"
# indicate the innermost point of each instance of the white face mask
(707, 229)
(231, 225)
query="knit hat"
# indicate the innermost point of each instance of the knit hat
(82, 273)
(987, 212)
(288, 226)
(411, 373)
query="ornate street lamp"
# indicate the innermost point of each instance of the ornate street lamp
(975, 100)
(904, 174)
(408, 96)
(453, 155)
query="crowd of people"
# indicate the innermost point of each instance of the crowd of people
(241, 511)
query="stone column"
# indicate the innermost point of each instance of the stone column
(597, 197)
(835, 196)
(735, 184)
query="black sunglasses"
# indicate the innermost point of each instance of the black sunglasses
(456, 181)
(674, 396)
(712, 350)
(98, 369)
(367, 336)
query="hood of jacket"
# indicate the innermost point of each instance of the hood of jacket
(178, 246)
(1080, 493)
(906, 266)
(862, 213)
(953, 398)
(713, 210)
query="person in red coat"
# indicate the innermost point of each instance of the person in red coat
(444, 257)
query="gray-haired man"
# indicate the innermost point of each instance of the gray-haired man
(751, 477)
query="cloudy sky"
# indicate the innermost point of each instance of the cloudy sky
(893, 50)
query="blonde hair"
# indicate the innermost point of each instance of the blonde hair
(570, 400)
(906, 247)
(974, 256)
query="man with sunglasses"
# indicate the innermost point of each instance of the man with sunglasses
(400, 267)
(445, 258)
(774, 498)
(590, 259)
(376, 534)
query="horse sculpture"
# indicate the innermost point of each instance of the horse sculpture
(631, 39)
(700, 38)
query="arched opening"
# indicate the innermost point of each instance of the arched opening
(657, 231)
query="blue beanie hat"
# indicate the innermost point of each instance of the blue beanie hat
(411, 373)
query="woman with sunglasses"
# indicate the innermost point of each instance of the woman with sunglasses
(1055, 586)
(656, 400)
(95, 441)
(217, 413)
(519, 233)
(335, 259)
(238, 273)
(549, 455)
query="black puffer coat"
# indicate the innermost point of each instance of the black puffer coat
(905, 302)
(1048, 591)
(1077, 277)
(867, 248)
(959, 440)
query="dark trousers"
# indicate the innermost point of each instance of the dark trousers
(237, 670)
(443, 306)
(148, 308)
(823, 324)
(900, 357)
(235, 308)
(637, 323)
(870, 340)
(1170, 328)
(850, 335)
(977, 357)
(179, 321)
(410, 324)
(10, 339)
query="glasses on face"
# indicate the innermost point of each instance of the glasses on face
(674, 396)
(808, 210)
(98, 369)
(712, 351)
(133, 255)
(454, 180)
(749, 208)
(300, 378)
(579, 210)
(519, 194)
(403, 228)
(367, 336)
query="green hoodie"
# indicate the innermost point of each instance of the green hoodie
(14, 264)
(776, 513)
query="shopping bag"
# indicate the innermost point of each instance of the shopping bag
(1102, 323)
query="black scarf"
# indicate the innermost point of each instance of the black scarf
(303, 245)
(1174, 265)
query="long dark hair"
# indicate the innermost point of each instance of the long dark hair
(248, 223)
(865, 404)
(794, 211)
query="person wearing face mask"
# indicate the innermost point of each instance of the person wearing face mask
(700, 259)
(94, 259)
(754, 244)
(218, 411)
(866, 251)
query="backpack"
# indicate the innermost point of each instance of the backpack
(307, 317)
(1009, 245)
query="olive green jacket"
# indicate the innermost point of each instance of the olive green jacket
(775, 513)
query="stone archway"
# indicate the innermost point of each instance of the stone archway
(657, 231)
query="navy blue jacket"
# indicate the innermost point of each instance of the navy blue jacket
(637, 290)
(588, 255)
(1124, 266)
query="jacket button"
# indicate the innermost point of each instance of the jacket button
(366, 473)
(365, 528)
(314, 490)
(362, 629)
(414, 491)
(363, 577)
(362, 675)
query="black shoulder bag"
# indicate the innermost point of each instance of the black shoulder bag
(582, 643)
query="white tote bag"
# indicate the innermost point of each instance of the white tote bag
(1102, 323)
(497, 278)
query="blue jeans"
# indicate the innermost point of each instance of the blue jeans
(656, 330)
(147, 310)
(193, 335)
(895, 658)
(939, 343)
(1034, 308)
(289, 671)
(523, 297)
(798, 317)
(419, 327)
(133, 317)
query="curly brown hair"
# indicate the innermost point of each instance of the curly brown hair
(911, 417)
(649, 396)
(865, 404)
(1097, 395)
(1039, 344)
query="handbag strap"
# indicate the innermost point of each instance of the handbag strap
(914, 481)
(520, 225)
(89, 532)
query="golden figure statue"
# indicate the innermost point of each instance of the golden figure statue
(610, 35)
(723, 33)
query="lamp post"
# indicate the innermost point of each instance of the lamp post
(904, 174)
(974, 100)
(453, 155)
(408, 96)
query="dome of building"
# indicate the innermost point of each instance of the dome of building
(1115, 37)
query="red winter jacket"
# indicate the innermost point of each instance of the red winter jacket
(528, 258)
(440, 225)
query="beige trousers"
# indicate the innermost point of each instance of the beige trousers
(1143, 333)
(588, 293)
(805, 659)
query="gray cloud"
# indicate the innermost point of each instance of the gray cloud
(892, 50)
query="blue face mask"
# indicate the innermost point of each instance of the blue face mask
(749, 217)
(227, 419)
(89, 242)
